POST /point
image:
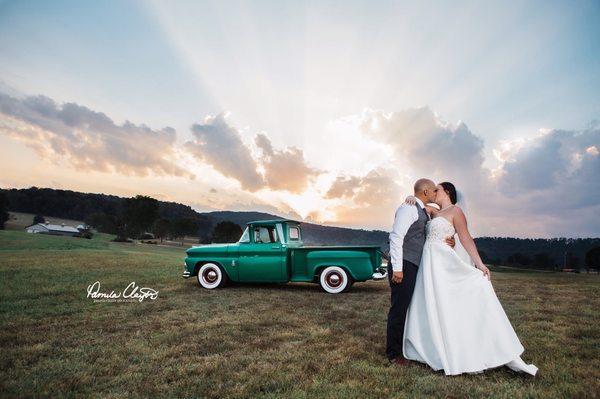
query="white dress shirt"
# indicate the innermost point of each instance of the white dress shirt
(406, 215)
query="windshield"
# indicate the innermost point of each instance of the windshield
(245, 236)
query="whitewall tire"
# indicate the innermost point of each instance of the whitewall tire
(210, 276)
(334, 279)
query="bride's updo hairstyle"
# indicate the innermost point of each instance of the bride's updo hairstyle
(450, 190)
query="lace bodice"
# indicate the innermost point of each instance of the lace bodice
(438, 229)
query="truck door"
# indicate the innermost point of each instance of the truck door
(263, 259)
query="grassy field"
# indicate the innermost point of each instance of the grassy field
(266, 341)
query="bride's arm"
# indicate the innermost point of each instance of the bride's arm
(431, 210)
(460, 224)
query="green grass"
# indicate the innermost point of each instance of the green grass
(265, 341)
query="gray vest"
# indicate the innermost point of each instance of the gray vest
(412, 248)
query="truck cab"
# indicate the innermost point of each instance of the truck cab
(262, 250)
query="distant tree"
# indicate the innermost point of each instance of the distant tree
(139, 214)
(39, 219)
(3, 210)
(161, 228)
(542, 260)
(102, 222)
(592, 258)
(572, 260)
(484, 257)
(226, 232)
(84, 233)
(182, 227)
(204, 239)
(518, 259)
(121, 230)
(205, 226)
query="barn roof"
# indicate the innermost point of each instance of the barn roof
(56, 227)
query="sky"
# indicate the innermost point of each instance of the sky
(322, 111)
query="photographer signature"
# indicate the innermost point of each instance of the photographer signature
(131, 293)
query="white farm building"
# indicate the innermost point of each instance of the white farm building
(54, 229)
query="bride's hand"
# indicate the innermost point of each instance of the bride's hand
(411, 200)
(486, 271)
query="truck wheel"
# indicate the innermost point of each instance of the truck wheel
(210, 276)
(334, 279)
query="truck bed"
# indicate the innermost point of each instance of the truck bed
(303, 261)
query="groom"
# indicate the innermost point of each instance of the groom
(406, 246)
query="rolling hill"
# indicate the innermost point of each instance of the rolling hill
(66, 204)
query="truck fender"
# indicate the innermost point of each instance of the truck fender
(199, 264)
(321, 266)
(356, 263)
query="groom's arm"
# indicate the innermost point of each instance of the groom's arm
(406, 215)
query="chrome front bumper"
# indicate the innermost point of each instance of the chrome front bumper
(186, 274)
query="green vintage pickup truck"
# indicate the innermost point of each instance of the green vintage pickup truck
(271, 251)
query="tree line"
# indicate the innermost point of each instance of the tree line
(126, 218)
(538, 253)
(141, 216)
(133, 217)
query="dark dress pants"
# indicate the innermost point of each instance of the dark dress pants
(401, 296)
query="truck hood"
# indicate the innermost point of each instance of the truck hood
(209, 248)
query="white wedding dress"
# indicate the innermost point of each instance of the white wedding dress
(455, 321)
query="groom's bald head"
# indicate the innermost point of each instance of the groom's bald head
(425, 190)
(423, 184)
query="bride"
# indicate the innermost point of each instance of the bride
(455, 321)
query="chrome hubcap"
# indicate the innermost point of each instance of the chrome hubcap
(210, 276)
(334, 279)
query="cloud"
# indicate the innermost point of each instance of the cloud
(423, 145)
(558, 169)
(284, 169)
(263, 142)
(88, 140)
(343, 187)
(429, 146)
(366, 201)
(222, 147)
